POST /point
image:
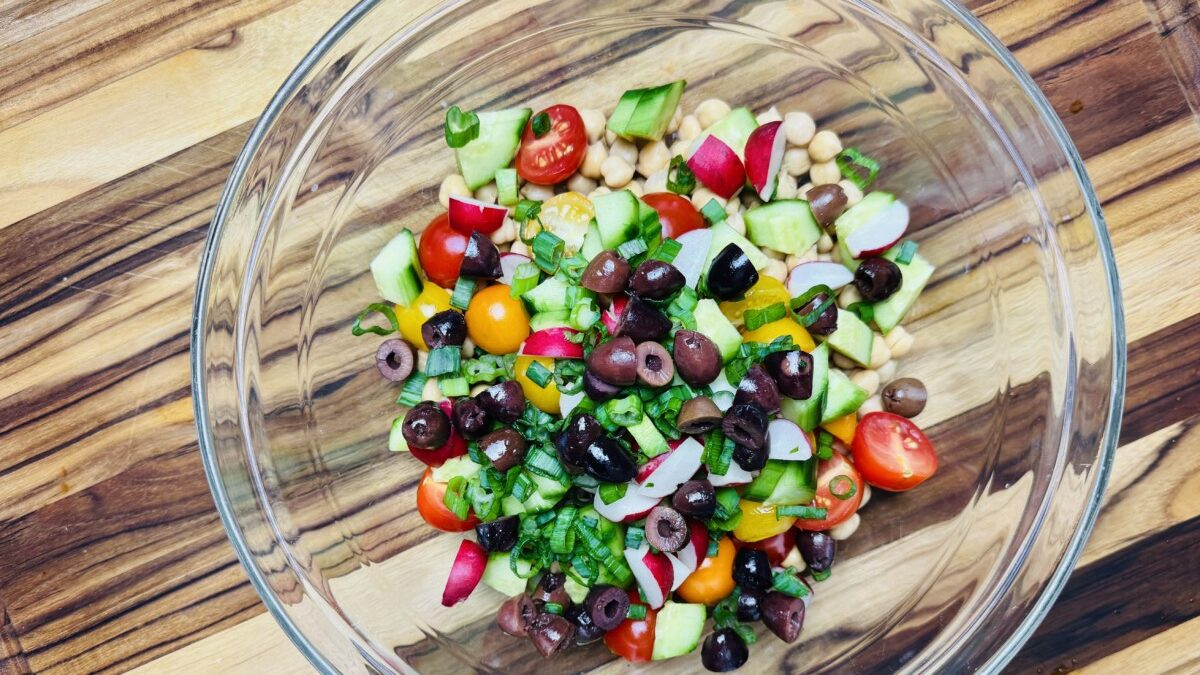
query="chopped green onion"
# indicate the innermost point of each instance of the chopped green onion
(713, 211)
(584, 315)
(635, 537)
(667, 250)
(506, 187)
(680, 178)
(539, 374)
(522, 488)
(563, 536)
(443, 361)
(568, 376)
(384, 309)
(786, 582)
(585, 481)
(414, 387)
(800, 301)
(801, 511)
(460, 127)
(455, 497)
(611, 492)
(552, 608)
(824, 445)
(736, 369)
(822, 575)
(907, 250)
(636, 612)
(540, 124)
(631, 248)
(857, 167)
(727, 503)
(746, 633)
(756, 318)
(453, 386)
(625, 412)
(651, 231)
(544, 517)
(863, 310)
(772, 472)
(592, 543)
(485, 503)
(712, 448)
(842, 486)
(547, 251)
(525, 279)
(587, 569)
(488, 368)
(714, 547)
(809, 318)
(544, 464)
(464, 288)
(526, 210)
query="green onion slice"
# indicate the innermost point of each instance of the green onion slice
(636, 612)
(842, 486)
(414, 387)
(443, 361)
(758, 317)
(800, 511)
(540, 124)
(525, 279)
(667, 250)
(786, 582)
(611, 492)
(387, 312)
(907, 250)
(539, 374)
(547, 251)
(680, 178)
(464, 289)
(631, 248)
(460, 127)
(713, 211)
(857, 167)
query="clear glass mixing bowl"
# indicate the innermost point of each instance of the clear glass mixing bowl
(1019, 336)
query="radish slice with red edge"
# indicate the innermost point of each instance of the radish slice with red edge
(465, 573)
(734, 475)
(678, 467)
(787, 441)
(879, 233)
(717, 166)
(630, 507)
(764, 156)
(679, 571)
(553, 342)
(809, 275)
(469, 215)
(612, 316)
(696, 549)
(653, 572)
(508, 266)
(693, 251)
(646, 469)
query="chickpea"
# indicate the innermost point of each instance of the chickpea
(656, 182)
(848, 296)
(825, 145)
(602, 190)
(736, 222)
(488, 193)
(854, 194)
(866, 495)
(624, 149)
(843, 530)
(887, 372)
(710, 111)
(453, 185)
(702, 195)
(636, 187)
(676, 120)
(593, 123)
(610, 137)
(880, 354)
(593, 159)
(689, 128)
(773, 254)
(799, 128)
(521, 248)
(537, 192)
(825, 173)
(867, 379)
(796, 162)
(580, 183)
(653, 157)
(733, 208)
(468, 348)
(873, 404)
(616, 171)
(776, 269)
(506, 234)
(843, 362)
(432, 392)
(785, 188)
(899, 341)
(825, 243)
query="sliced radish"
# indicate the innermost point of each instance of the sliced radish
(787, 441)
(653, 572)
(880, 232)
(631, 506)
(508, 266)
(696, 549)
(693, 251)
(678, 467)
(764, 156)
(468, 215)
(645, 469)
(612, 316)
(734, 475)
(722, 391)
(568, 402)
(718, 167)
(816, 273)
(679, 571)
(465, 573)
(553, 342)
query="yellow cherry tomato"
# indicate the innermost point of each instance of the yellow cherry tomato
(544, 398)
(713, 579)
(497, 322)
(432, 299)
(765, 293)
(843, 427)
(759, 522)
(785, 326)
(567, 215)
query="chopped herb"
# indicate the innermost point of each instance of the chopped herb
(464, 289)
(636, 612)
(387, 312)
(713, 211)
(414, 387)
(526, 210)
(907, 250)
(453, 386)
(824, 445)
(540, 124)
(547, 251)
(443, 361)
(801, 511)
(857, 167)
(863, 310)
(460, 127)
(786, 582)
(758, 317)
(538, 374)
(631, 248)
(680, 178)
(667, 250)
(842, 486)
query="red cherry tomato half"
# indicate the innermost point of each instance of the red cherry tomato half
(432, 507)
(892, 453)
(633, 640)
(676, 213)
(557, 154)
(455, 446)
(777, 548)
(441, 251)
(836, 508)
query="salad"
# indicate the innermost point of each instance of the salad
(641, 356)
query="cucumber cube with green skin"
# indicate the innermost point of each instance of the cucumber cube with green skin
(806, 413)
(914, 275)
(784, 225)
(733, 129)
(842, 398)
(499, 575)
(618, 218)
(592, 246)
(798, 485)
(853, 338)
(711, 323)
(548, 296)
(560, 318)
(646, 113)
(677, 629)
(724, 235)
(397, 271)
(495, 146)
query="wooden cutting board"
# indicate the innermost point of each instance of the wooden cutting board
(119, 120)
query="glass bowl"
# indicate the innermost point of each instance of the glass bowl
(1019, 336)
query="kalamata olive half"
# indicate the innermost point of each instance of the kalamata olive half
(827, 202)
(751, 569)
(793, 372)
(606, 461)
(877, 279)
(698, 416)
(642, 322)
(758, 388)
(697, 359)
(746, 424)
(607, 606)
(552, 588)
(470, 418)
(906, 396)
(426, 427)
(783, 614)
(504, 401)
(576, 436)
(695, 498)
(499, 534)
(724, 651)
(445, 329)
(394, 359)
(749, 458)
(817, 549)
(656, 280)
(748, 605)
(666, 530)
(615, 361)
(481, 259)
(597, 389)
(505, 447)
(826, 322)
(550, 633)
(654, 366)
(606, 273)
(516, 614)
(586, 632)
(731, 274)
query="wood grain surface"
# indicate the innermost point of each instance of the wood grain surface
(119, 121)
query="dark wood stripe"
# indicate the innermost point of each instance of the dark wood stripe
(12, 658)
(1164, 379)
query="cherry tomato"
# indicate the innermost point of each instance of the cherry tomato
(764, 293)
(432, 299)
(836, 510)
(441, 251)
(777, 548)
(455, 446)
(497, 322)
(785, 326)
(759, 522)
(430, 504)
(633, 640)
(544, 398)
(892, 453)
(556, 155)
(676, 213)
(567, 216)
(713, 579)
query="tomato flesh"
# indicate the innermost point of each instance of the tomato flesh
(676, 213)
(713, 579)
(557, 154)
(836, 510)
(496, 321)
(441, 251)
(633, 640)
(431, 505)
(777, 548)
(892, 453)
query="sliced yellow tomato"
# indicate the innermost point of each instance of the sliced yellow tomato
(567, 215)
(544, 398)
(712, 581)
(759, 522)
(843, 427)
(432, 299)
(785, 326)
(765, 293)
(496, 321)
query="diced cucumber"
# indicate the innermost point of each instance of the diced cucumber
(914, 276)
(734, 129)
(853, 338)
(724, 235)
(592, 246)
(798, 485)
(648, 437)
(495, 146)
(854, 218)
(506, 187)
(396, 442)
(784, 225)
(806, 413)
(713, 324)
(545, 497)
(575, 590)
(646, 113)
(455, 467)
(677, 629)
(499, 575)
(397, 271)
(557, 319)
(764, 483)
(842, 398)
(548, 296)
(617, 217)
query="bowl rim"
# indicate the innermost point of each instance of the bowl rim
(1053, 586)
